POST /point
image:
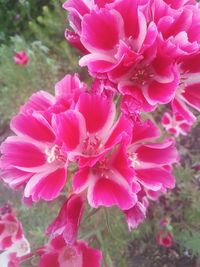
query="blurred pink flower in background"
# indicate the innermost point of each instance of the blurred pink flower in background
(13, 243)
(58, 254)
(21, 58)
(164, 238)
(175, 124)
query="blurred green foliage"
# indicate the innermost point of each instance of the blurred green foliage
(15, 15)
(50, 55)
(18, 82)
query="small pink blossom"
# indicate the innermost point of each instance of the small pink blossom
(21, 58)
(10, 228)
(58, 254)
(175, 124)
(164, 238)
(12, 241)
(12, 256)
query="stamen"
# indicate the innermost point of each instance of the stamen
(142, 75)
(54, 154)
(134, 159)
(91, 145)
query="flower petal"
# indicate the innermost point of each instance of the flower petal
(19, 153)
(70, 128)
(38, 128)
(98, 112)
(101, 29)
(155, 178)
(107, 193)
(46, 186)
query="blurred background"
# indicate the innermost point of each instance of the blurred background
(37, 27)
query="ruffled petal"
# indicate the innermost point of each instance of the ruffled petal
(70, 128)
(158, 153)
(155, 178)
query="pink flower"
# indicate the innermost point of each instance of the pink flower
(187, 94)
(12, 256)
(152, 160)
(175, 124)
(21, 58)
(68, 220)
(90, 131)
(108, 182)
(33, 159)
(12, 241)
(164, 238)
(140, 47)
(58, 254)
(10, 228)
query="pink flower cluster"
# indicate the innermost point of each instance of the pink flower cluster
(93, 141)
(117, 160)
(148, 50)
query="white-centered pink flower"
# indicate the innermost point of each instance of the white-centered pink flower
(90, 131)
(13, 243)
(33, 159)
(10, 227)
(175, 124)
(58, 254)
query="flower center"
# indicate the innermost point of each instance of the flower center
(142, 75)
(102, 168)
(134, 160)
(69, 253)
(91, 145)
(54, 154)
